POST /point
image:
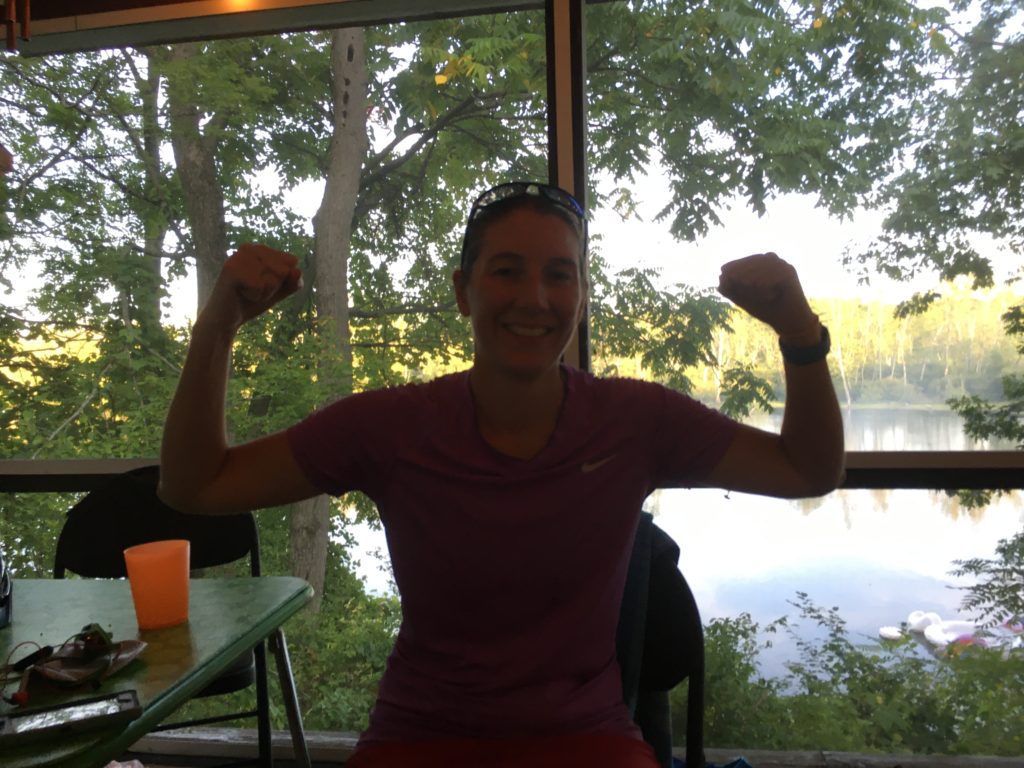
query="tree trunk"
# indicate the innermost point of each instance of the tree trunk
(720, 362)
(842, 373)
(837, 350)
(155, 227)
(332, 227)
(194, 154)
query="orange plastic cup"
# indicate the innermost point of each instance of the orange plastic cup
(158, 574)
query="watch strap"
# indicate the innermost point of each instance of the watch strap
(800, 355)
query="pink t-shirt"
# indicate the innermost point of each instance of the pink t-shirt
(510, 572)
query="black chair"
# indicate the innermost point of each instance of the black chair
(125, 512)
(660, 642)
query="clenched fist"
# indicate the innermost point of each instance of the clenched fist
(766, 287)
(253, 279)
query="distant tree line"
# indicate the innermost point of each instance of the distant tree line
(956, 347)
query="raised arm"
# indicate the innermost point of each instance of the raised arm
(199, 471)
(807, 458)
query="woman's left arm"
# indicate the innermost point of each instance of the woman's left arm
(807, 457)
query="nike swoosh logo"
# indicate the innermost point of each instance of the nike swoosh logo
(590, 466)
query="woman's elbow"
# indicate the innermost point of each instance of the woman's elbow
(172, 496)
(825, 480)
(183, 498)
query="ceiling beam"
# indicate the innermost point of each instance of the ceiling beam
(63, 27)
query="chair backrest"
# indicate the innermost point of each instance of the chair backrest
(5, 592)
(660, 642)
(126, 511)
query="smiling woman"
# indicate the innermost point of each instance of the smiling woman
(520, 454)
(522, 288)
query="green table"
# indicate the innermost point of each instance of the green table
(227, 617)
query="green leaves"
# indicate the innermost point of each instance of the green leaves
(998, 597)
(756, 97)
(745, 392)
(670, 330)
(962, 176)
(855, 695)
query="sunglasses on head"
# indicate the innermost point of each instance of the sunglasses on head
(513, 190)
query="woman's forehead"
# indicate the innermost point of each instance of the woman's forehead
(528, 230)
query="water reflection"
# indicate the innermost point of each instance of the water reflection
(900, 429)
(877, 555)
(881, 499)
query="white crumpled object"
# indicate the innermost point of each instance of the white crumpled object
(941, 633)
(129, 764)
(918, 620)
(946, 632)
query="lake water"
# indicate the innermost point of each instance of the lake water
(875, 555)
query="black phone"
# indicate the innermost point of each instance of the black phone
(29, 725)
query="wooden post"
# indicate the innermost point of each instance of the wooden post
(566, 51)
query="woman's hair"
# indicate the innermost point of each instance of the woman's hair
(478, 225)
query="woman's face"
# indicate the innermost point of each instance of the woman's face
(524, 294)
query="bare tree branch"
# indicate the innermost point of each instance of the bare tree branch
(74, 415)
(407, 309)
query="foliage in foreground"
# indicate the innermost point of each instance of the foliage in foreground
(887, 697)
(998, 595)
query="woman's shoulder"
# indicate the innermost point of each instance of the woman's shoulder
(441, 393)
(405, 403)
(616, 387)
(625, 398)
(383, 419)
(413, 393)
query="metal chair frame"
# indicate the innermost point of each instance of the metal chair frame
(134, 515)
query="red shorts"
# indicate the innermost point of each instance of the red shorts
(579, 750)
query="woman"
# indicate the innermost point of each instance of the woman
(509, 493)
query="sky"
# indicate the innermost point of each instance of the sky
(806, 236)
(795, 229)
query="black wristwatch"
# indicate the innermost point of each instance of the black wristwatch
(807, 355)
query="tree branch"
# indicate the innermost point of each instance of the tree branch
(77, 412)
(465, 109)
(408, 309)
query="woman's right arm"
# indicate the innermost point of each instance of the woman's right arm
(199, 471)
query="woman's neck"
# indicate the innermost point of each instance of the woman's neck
(517, 416)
